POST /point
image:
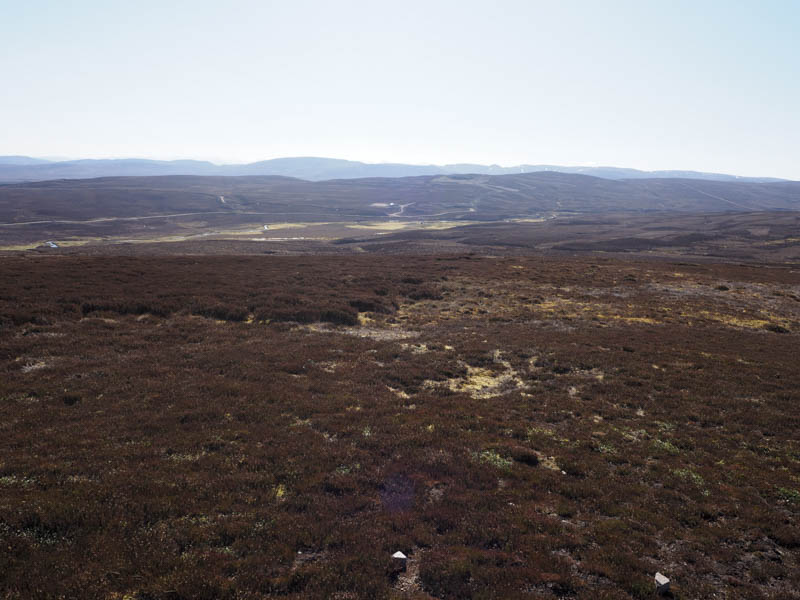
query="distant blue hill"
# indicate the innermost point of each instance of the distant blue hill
(23, 168)
(21, 160)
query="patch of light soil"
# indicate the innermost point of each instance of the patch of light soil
(548, 462)
(399, 393)
(33, 365)
(373, 333)
(415, 348)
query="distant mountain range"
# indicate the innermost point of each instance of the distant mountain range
(24, 168)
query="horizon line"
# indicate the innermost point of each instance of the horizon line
(225, 163)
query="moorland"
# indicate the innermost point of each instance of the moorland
(181, 208)
(530, 400)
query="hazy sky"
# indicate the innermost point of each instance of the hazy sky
(705, 85)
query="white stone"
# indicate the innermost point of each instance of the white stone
(399, 554)
(662, 584)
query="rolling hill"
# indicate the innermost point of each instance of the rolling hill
(454, 197)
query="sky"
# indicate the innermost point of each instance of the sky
(699, 84)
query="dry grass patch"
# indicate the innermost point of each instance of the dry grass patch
(483, 382)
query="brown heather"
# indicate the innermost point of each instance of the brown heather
(250, 427)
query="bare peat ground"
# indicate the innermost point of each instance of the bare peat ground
(522, 427)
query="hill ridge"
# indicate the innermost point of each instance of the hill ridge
(22, 168)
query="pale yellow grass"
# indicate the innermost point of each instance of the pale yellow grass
(292, 225)
(481, 382)
(736, 321)
(789, 240)
(574, 308)
(61, 244)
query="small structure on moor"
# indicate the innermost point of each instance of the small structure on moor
(662, 584)
(399, 561)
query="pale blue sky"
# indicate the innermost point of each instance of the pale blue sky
(705, 85)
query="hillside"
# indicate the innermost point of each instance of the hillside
(477, 197)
